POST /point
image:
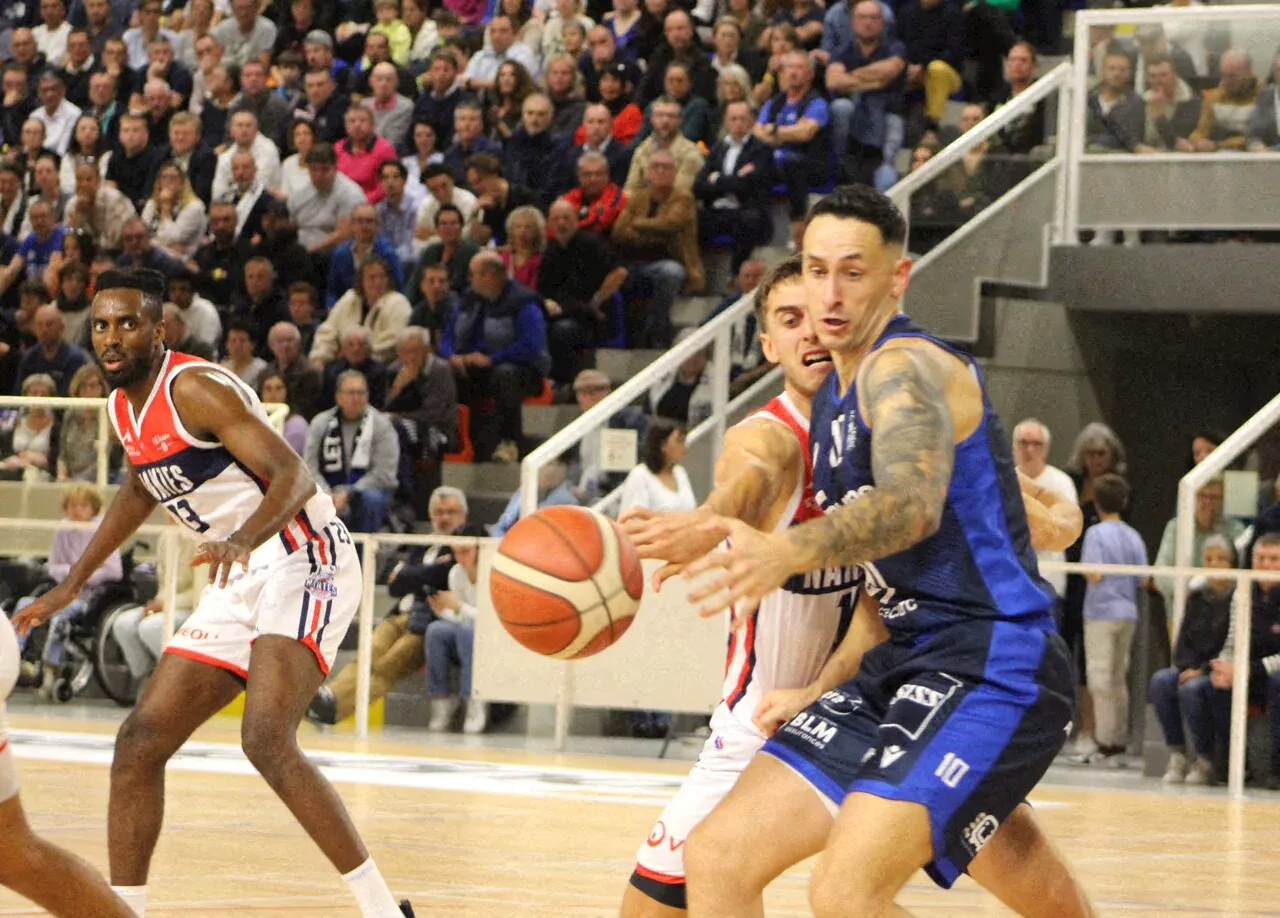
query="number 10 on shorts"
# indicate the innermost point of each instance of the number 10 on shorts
(952, 769)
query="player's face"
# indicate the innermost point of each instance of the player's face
(124, 338)
(788, 339)
(853, 281)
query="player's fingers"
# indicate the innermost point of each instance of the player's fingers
(635, 516)
(665, 573)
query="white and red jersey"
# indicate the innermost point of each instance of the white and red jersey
(792, 633)
(199, 482)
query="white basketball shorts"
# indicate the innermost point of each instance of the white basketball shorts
(311, 595)
(659, 869)
(9, 662)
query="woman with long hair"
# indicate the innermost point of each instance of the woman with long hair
(526, 239)
(733, 85)
(372, 302)
(660, 482)
(293, 171)
(174, 214)
(32, 441)
(504, 102)
(78, 436)
(273, 390)
(87, 145)
(426, 151)
(564, 85)
(749, 21)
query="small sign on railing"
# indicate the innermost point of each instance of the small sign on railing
(618, 450)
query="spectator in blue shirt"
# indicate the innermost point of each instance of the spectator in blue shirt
(50, 355)
(36, 249)
(554, 489)
(365, 241)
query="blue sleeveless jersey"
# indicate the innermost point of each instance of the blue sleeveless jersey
(979, 564)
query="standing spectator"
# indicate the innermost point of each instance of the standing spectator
(656, 237)
(372, 302)
(300, 378)
(665, 117)
(1226, 111)
(1110, 617)
(362, 152)
(482, 70)
(1209, 522)
(269, 108)
(496, 342)
(733, 188)
(442, 94)
(579, 274)
(496, 199)
(597, 199)
(354, 454)
(794, 122)
(322, 209)
(241, 359)
(1177, 691)
(1031, 442)
(392, 112)
(51, 357)
(78, 432)
(865, 79)
(450, 639)
(441, 189)
(174, 214)
(246, 36)
(355, 353)
(56, 114)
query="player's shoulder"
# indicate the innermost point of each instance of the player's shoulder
(765, 436)
(201, 385)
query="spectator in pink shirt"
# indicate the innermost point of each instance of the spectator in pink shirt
(360, 155)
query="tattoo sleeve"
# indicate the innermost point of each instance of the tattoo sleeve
(912, 453)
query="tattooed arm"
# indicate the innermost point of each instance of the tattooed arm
(912, 452)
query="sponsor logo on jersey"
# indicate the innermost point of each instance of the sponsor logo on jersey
(197, 634)
(838, 703)
(165, 482)
(322, 583)
(979, 832)
(890, 755)
(920, 694)
(658, 834)
(824, 580)
(718, 742)
(916, 703)
(814, 730)
(163, 442)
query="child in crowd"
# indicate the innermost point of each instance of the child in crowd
(389, 23)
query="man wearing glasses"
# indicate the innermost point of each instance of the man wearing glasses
(1031, 455)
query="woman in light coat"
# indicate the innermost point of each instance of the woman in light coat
(374, 303)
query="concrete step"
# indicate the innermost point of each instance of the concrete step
(482, 477)
(621, 365)
(542, 421)
(691, 310)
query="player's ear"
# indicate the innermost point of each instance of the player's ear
(768, 348)
(901, 277)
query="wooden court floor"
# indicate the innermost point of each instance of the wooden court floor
(467, 832)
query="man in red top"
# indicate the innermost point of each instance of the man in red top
(597, 199)
(360, 155)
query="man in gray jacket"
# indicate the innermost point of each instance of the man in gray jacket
(354, 454)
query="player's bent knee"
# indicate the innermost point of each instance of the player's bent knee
(268, 745)
(140, 743)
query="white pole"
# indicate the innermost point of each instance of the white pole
(1062, 181)
(564, 705)
(169, 587)
(104, 426)
(1242, 608)
(364, 647)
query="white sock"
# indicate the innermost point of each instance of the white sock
(135, 897)
(371, 892)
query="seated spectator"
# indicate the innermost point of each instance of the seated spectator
(397, 212)
(392, 112)
(496, 342)
(426, 152)
(163, 68)
(468, 137)
(78, 429)
(73, 302)
(323, 105)
(656, 238)
(554, 490)
(245, 138)
(53, 32)
(866, 79)
(200, 316)
(245, 34)
(603, 53)
(354, 455)
(87, 145)
(184, 149)
(1169, 110)
(441, 189)
(98, 208)
(590, 387)
(174, 213)
(140, 630)
(81, 503)
(681, 45)
(595, 135)
(971, 184)
(377, 50)
(45, 187)
(362, 152)
(449, 249)
(733, 85)
(373, 303)
(1227, 110)
(1176, 692)
(133, 166)
(261, 301)
(17, 102)
(56, 114)
(732, 51)
(293, 171)
(317, 52)
(552, 35)
(222, 87)
(794, 122)
(177, 338)
(1111, 107)
(273, 391)
(241, 359)
(139, 250)
(1263, 133)
(504, 101)
(441, 95)
(564, 88)
(615, 95)
(304, 303)
(1152, 40)
(36, 250)
(598, 200)
(279, 244)
(578, 276)
(51, 356)
(802, 15)
(13, 198)
(660, 482)
(365, 243)
(1030, 129)
(684, 394)
(697, 115)
(23, 155)
(31, 442)
(526, 240)
(1264, 666)
(750, 23)
(301, 379)
(436, 300)
(665, 119)
(1209, 521)
(269, 109)
(423, 400)
(220, 261)
(497, 198)
(355, 353)
(482, 69)
(250, 197)
(535, 157)
(733, 188)
(321, 210)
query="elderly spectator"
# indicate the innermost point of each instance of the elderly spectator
(392, 112)
(322, 208)
(681, 45)
(1227, 110)
(324, 106)
(598, 200)
(133, 166)
(138, 250)
(397, 212)
(362, 152)
(535, 157)
(423, 399)
(248, 194)
(51, 356)
(526, 240)
(161, 104)
(449, 249)
(442, 188)
(1031, 443)
(595, 136)
(200, 316)
(496, 342)
(440, 97)
(31, 444)
(177, 338)
(241, 359)
(372, 302)
(497, 198)
(1177, 692)
(355, 353)
(1263, 133)
(578, 276)
(865, 79)
(733, 187)
(468, 137)
(56, 114)
(268, 108)
(794, 122)
(246, 35)
(398, 638)
(174, 213)
(37, 249)
(365, 243)
(245, 138)
(482, 69)
(78, 432)
(184, 149)
(1169, 110)
(665, 118)
(450, 638)
(300, 377)
(220, 261)
(1209, 521)
(656, 237)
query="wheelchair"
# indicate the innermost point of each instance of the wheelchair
(91, 651)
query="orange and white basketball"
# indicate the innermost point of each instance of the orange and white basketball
(566, 582)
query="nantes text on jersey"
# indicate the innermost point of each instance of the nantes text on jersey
(199, 482)
(979, 564)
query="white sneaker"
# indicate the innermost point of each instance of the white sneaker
(1200, 772)
(441, 714)
(1176, 773)
(477, 717)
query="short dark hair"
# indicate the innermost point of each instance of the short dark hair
(866, 205)
(322, 154)
(394, 164)
(151, 284)
(656, 433)
(34, 288)
(486, 164)
(1267, 538)
(238, 325)
(785, 271)
(1110, 493)
(441, 55)
(305, 288)
(449, 209)
(438, 169)
(73, 269)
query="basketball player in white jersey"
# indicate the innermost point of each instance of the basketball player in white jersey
(284, 585)
(52, 878)
(780, 659)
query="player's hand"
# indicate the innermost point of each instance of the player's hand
(780, 705)
(221, 557)
(43, 608)
(672, 537)
(751, 567)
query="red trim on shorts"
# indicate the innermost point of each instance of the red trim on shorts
(667, 878)
(748, 663)
(207, 660)
(310, 642)
(4, 745)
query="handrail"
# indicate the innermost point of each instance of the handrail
(1162, 14)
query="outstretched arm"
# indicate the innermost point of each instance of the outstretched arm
(1055, 522)
(212, 407)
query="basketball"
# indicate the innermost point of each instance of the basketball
(566, 582)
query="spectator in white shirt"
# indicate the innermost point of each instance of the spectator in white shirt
(398, 209)
(660, 482)
(51, 35)
(1031, 441)
(482, 70)
(441, 190)
(57, 114)
(245, 138)
(138, 39)
(246, 35)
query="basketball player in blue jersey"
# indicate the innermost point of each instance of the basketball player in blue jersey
(284, 584)
(928, 751)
